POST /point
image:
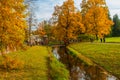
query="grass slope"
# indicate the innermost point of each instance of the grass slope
(113, 39)
(35, 68)
(58, 70)
(105, 54)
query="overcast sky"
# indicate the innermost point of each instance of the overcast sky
(45, 8)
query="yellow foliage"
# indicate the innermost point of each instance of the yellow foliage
(10, 63)
(12, 23)
(69, 21)
(96, 19)
(41, 31)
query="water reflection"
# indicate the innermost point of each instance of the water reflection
(55, 52)
(78, 70)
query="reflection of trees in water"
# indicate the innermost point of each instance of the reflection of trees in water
(81, 71)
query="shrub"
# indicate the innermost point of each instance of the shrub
(10, 63)
(85, 37)
(24, 47)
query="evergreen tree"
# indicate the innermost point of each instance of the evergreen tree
(116, 26)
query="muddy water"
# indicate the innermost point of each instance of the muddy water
(79, 70)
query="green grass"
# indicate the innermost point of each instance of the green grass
(113, 39)
(39, 64)
(55, 42)
(80, 56)
(35, 65)
(106, 55)
(58, 71)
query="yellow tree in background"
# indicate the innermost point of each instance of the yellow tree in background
(41, 30)
(96, 18)
(68, 22)
(12, 23)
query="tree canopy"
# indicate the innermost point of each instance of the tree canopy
(116, 26)
(96, 17)
(12, 23)
(69, 22)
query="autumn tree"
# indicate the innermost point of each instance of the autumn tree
(31, 19)
(48, 29)
(68, 22)
(40, 30)
(96, 19)
(12, 23)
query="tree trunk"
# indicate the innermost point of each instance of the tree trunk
(96, 37)
(101, 40)
(104, 39)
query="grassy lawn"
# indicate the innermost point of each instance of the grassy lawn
(106, 55)
(35, 65)
(113, 39)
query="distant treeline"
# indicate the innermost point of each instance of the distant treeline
(115, 32)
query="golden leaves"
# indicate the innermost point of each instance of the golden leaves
(12, 22)
(69, 22)
(96, 18)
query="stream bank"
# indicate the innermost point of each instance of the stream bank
(80, 67)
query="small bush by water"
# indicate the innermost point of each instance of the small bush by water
(86, 38)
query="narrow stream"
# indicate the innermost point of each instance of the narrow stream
(78, 70)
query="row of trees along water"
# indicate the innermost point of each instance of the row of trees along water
(68, 22)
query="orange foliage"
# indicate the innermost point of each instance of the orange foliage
(41, 31)
(12, 63)
(68, 22)
(12, 23)
(96, 19)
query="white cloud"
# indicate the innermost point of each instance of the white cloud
(114, 7)
(115, 11)
(113, 3)
(45, 8)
